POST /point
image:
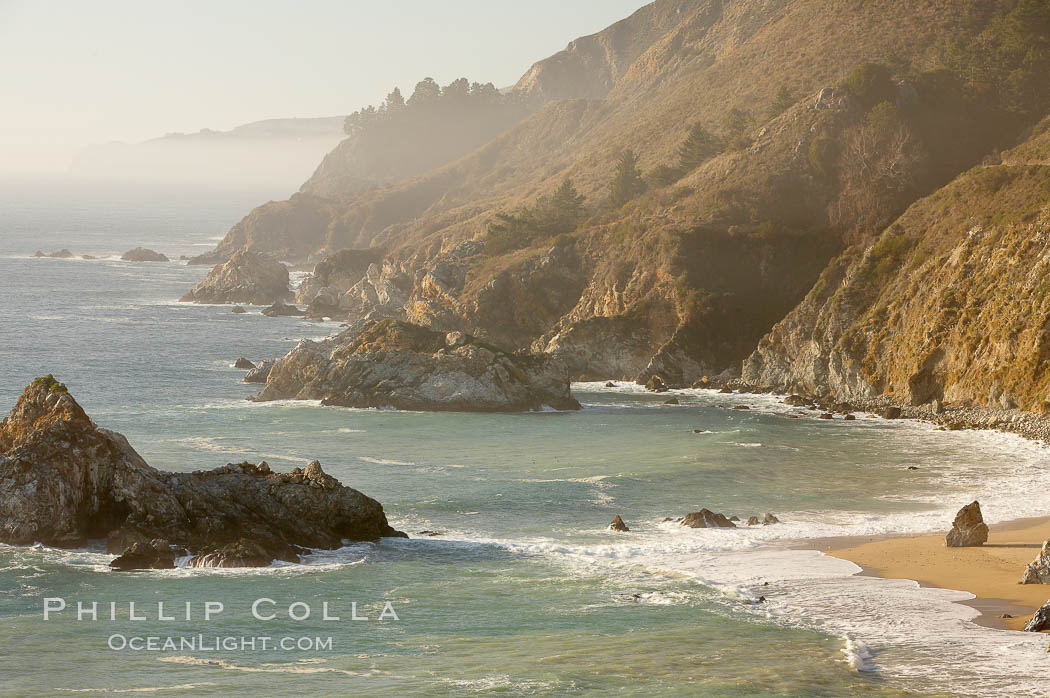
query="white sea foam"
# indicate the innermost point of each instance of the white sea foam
(383, 461)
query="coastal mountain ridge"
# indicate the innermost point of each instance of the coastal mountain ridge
(729, 166)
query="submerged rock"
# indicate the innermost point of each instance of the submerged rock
(64, 480)
(155, 555)
(1038, 570)
(248, 277)
(389, 363)
(706, 518)
(244, 364)
(141, 254)
(618, 525)
(279, 309)
(968, 529)
(61, 254)
(238, 310)
(672, 401)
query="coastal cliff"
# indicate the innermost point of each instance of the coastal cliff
(715, 164)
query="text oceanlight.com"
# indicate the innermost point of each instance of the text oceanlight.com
(215, 643)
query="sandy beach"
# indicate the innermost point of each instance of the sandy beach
(989, 572)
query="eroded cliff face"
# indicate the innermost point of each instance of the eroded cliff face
(950, 303)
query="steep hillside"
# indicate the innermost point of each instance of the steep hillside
(951, 303)
(814, 148)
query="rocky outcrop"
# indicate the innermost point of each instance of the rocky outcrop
(141, 254)
(1040, 621)
(260, 373)
(279, 309)
(618, 525)
(968, 528)
(248, 277)
(390, 363)
(61, 254)
(706, 519)
(1038, 570)
(243, 364)
(64, 480)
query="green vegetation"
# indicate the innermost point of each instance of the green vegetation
(781, 103)
(627, 182)
(871, 84)
(700, 146)
(823, 154)
(735, 125)
(550, 217)
(52, 385)
(428, 101)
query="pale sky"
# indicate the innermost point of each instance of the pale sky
(77, 72)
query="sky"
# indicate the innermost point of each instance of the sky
(77, 73)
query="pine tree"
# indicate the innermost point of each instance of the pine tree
(566, 207)
(699, 146)
(627, 182)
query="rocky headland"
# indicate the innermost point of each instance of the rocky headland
(247, 277)
(65, 481)
(392, 363)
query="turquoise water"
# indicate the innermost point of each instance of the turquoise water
(523, 592)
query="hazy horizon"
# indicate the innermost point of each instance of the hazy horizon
(129, 72)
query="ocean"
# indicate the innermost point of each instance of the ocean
(522, 591)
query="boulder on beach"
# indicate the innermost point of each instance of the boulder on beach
(618, 525)
(64, 480)
(243, 364)
(141, 254)
(1040, 621)
(968, 529)
(889, 412)
(1038, 570)
(248, 277)
(391, 363)
(706, 518)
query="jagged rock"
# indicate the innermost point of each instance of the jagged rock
(752, 521)
(734, 519)
(429, 534)
(61, 254)
(238, 310)
(741, 407)
(769, 519)
(610, 384)
(63, 480)
(707, 519)
(244, 364)
(672, 401)
(141, 254)
(1040, 621)
(726, 391)
(827, 415)
(850, 417)
(937, 407)
(248, 277)
(279, 309)
(246, 553)
(797, 401)
(155, 555)
(390, 363)
(260, 373)
(656, 384)
(889, 412)
(1038, 570)
(968, 528)
(618, 525)
(88, 257)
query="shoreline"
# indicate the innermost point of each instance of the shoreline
(989, 572)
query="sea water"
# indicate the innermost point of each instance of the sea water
(523, 590)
